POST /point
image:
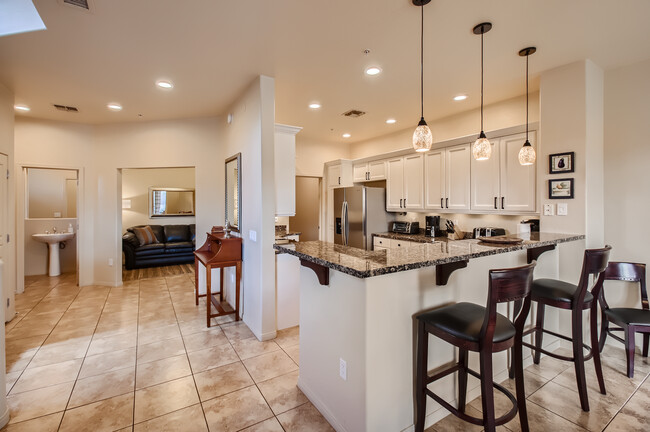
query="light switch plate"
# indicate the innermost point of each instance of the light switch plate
(252, 235)
(562, 209)
(549, 209)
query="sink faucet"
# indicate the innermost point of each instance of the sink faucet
(54, 230)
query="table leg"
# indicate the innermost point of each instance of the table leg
(196, 279)
(221, 283)
(238, 283)
(208, 292)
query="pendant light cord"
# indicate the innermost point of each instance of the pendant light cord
(527, 97)
(422, 64)
(482, 32)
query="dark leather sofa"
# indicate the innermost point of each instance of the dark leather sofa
(176, 246)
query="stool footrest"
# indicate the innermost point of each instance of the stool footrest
(588, 356)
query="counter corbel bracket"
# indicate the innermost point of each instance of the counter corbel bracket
(534, 253)
(322, 272)
(443, 271)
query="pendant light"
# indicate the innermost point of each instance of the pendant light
(422, 138)
(527, 154)
(482, 149)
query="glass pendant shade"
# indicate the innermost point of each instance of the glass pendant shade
(527, 154)
(482, 149)
(422, 138)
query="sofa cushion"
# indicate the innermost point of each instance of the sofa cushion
(157, 230)
(176, 233)
(176, 247)
(145, 235)
(192, 232)
(150, 249)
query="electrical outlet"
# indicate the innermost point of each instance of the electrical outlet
(252, 235)
(343, 369)
(549, 209)
(110, 262)
(562, 209)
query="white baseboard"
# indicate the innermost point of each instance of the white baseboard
(320, 406)
(4, 419)
(268, 336)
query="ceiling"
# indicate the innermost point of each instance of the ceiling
(213, 49)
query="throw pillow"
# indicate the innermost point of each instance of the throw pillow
(145, 235)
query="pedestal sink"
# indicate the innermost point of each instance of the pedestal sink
(53, 241)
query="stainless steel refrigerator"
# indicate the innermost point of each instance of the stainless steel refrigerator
(358, 213)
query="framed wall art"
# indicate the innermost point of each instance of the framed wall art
(560, 163)
(560, 188)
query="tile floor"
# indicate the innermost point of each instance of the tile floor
(139, 358)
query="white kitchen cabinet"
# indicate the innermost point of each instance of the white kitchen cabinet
(404, 183)
(339, 174)
(334, 175)
(369, 171)
(380, 242)
(457, 177)
(434, 179)
(285, 169)
(360, 172)
(399, 244)
(501, 183)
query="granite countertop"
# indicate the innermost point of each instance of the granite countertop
(419, 238)
(363, 264)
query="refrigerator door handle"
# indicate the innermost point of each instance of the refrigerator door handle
(345, 231)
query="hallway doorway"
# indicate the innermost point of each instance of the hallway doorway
(308, 198)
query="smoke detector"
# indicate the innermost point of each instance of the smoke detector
(81, 4)
(66, 108)
(353, 113)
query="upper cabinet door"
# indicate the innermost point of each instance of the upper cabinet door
(434, 179)
(414, 181)
(395, 184)
(334, 176)
(485, 181)
(457, 171)
(377, 170)
(518, 182)
(360, 172)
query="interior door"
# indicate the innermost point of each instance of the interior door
(306, 220)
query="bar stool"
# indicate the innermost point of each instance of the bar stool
(577, 298)
(471, 327)
(628, 320)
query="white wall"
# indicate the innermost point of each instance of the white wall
(500, 115)
(312, 154)
(48, 193)
(135, 187)
(251, 133)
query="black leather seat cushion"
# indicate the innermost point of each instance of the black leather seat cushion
(464, 321)
(556, 290)
(177, 233)
(629, 316)
(176, 247)
(150, 249)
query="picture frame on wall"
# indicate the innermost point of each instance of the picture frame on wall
(560, 188)
(560, 163)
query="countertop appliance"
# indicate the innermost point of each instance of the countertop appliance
(405, 227)
(432, 226)
(488, 232)
(359, 211)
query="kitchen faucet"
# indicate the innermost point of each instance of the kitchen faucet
(54, 230)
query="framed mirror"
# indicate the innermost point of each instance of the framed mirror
(168, 202)
(233, 191)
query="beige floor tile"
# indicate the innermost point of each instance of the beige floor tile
(219, 381)
(24, 344)
(10, 379)
(44, 376)
(282, 393)
(549, 367)
(104, 386)
(305, 417)
(94, 418)
(294, 353)
(48, 423)
(60, 351)
(251, 347)
(164, 398)
(288, 337)
(451, 423)
(160, 350)
(237, 331)
(188, 419)
(36, 403)
(271, 365)
(635, 415)
(160, 371)
(236, 410)
(205, 339)
(170, 331)
(100, 345)
(270, 425)
(212, 358)
(107, 362)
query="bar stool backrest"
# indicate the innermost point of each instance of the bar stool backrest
(594, 264)
(507, 285)
(625, 271)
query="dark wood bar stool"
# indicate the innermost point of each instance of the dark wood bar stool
(472, 327)
(576, 298)
(629, 320)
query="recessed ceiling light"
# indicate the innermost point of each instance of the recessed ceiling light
(314, 105)
(460, 97)
(21, 107)
(165, 84)
(114, 106)
(346, 135)
(391, 121)
(373, 70)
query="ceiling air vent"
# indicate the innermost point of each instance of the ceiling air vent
(353, 113)
(66, 108)
(79, 3)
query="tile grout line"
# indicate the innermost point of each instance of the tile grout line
(626, 401)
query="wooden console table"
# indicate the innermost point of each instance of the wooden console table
(220, 250)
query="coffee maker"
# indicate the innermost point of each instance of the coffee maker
(433, 226)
